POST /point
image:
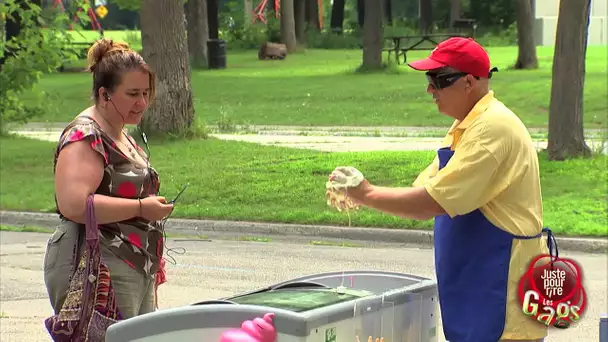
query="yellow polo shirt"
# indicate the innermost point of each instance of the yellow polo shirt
(495, 169)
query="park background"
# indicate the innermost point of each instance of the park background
(336, 74)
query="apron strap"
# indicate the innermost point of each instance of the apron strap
(551, 244)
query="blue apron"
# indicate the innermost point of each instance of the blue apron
(472, 265)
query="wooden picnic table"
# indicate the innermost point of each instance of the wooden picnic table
(401, 48)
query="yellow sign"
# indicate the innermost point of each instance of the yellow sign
(101, 11)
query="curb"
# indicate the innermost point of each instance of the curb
(420, 238)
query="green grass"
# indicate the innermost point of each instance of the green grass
(242, 181)
(318, 87)
(89, 36)
(24, 229)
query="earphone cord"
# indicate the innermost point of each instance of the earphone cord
(169, 251)
(179, 250)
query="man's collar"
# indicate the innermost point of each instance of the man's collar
(477, 110)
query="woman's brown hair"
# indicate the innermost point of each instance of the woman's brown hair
(108, 60)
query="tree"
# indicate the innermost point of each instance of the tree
(526, 57)
(455, 9)
(388, 11)
(166, 50)
(337, 16)
(248, 8)
(566, 134)
(27, 52)
(426, 15)
(312, 15)
(372, 35)
(288, 25)
(3, 35)
(361, 13)
(198, 32)
(213, 18)
(300, 20)
(130, 5)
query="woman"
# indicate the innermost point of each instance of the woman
(96, 155)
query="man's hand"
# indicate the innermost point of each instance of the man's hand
(344, 177)
(341, 179)
(338, 199)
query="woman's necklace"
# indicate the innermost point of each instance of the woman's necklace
(119, 140)
(130, 149)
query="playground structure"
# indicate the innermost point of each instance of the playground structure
(545, 22)
(95, 25)
(258, 12)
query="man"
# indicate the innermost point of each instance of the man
(483, 189)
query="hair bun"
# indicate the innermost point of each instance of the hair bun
(103, 48)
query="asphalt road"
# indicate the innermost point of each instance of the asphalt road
(212, 269)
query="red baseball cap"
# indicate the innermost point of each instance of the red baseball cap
(463, 54)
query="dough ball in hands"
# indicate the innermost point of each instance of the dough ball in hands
(340, 180)
(345, 177)
(338, 199)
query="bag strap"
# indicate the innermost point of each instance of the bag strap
(92, 247)
(91, 229)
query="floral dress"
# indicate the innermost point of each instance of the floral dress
(137, 241)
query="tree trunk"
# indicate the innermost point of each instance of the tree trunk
(288, 25)
(455, 8)
(426, 16)
(2, 35)
(164, 39)
(361, 13)
(213, 20)
(312, 15)
(248, 12)
(372, 35)
(300, 19)
(566, 134)
(388, 11)
(198, 32)
(337, 16)
(526, 57)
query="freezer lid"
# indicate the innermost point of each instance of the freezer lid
(301, 300)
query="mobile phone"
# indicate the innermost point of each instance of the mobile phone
(179, 194)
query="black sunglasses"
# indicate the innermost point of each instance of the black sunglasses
(441, 81)
(445, 80)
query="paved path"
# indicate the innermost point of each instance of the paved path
(327, 143)
(294, 129)
(215, 269)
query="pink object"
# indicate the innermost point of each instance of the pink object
(256, 330)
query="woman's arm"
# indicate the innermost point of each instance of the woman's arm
(78, 173)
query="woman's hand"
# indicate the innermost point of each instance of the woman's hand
(154, 208)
